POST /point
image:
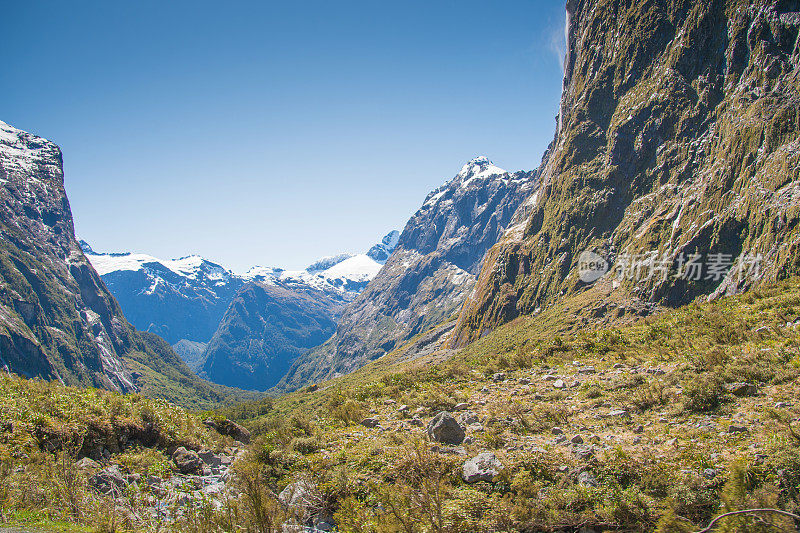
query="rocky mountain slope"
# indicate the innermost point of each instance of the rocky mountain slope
(677, 135)
(427, 277)
(57, 319)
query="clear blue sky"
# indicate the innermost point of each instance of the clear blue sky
(273, 133)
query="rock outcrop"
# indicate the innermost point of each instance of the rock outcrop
(678, 134)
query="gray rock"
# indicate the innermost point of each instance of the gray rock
(559, 384)
(187, 461)
(461, 406)
(87, 464)
(577, 439)
(482, 467)
(709, 473)
(742, 389)
(733, 428)
(469, 418)
(500, 376)
(587, 479)
(445, 428)
(109, 481)
(557, 431)
(371, 422)
(299, 495)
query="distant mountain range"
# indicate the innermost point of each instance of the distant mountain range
(190, 303)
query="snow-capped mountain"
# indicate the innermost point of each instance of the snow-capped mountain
(432, 268)
(185, 299)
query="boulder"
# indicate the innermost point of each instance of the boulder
(370, 422)
(187, 461)
(228, 428)
(742, 389)
(87, 464)
(109, 481)
(445, 428)
(482, 467)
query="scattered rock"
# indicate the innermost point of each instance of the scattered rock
(402, 409)
(446, 429)
(782, 405)
(577, 439)
(638, 429)
(468, 418)
(549, 377)
(460, 406)
(371, 422)
(742, 389)
(559, 384)
(709, 473)
(228, 428)
(416, 422)
(482, 467)
(500, 376)
(187, 461)
(557, 431)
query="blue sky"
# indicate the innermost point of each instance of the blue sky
(273, 133)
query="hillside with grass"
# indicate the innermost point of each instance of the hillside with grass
(660, 424)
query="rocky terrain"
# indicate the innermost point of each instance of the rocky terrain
(659, 425)
(677, 134)
(427, 277)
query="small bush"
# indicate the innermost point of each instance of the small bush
(703, 394)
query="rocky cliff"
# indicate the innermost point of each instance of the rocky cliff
(57, 319)
(677, 139)
(428, 275)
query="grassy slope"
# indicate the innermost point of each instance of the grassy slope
(671, 455)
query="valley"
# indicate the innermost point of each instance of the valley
(608, 342)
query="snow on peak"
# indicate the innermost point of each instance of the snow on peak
(324, 263)
(381, 251)
(477, 168)
(28, 154)
(191, 266)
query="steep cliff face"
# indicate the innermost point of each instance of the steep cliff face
(57, 321)
(428, 275)
(263, 331)
(678, 135)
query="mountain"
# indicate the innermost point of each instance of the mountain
(265, 328)
(428, 275)
(180, 299)
(183, 300)
(57, 319)
(279, 315)
(678, 134)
